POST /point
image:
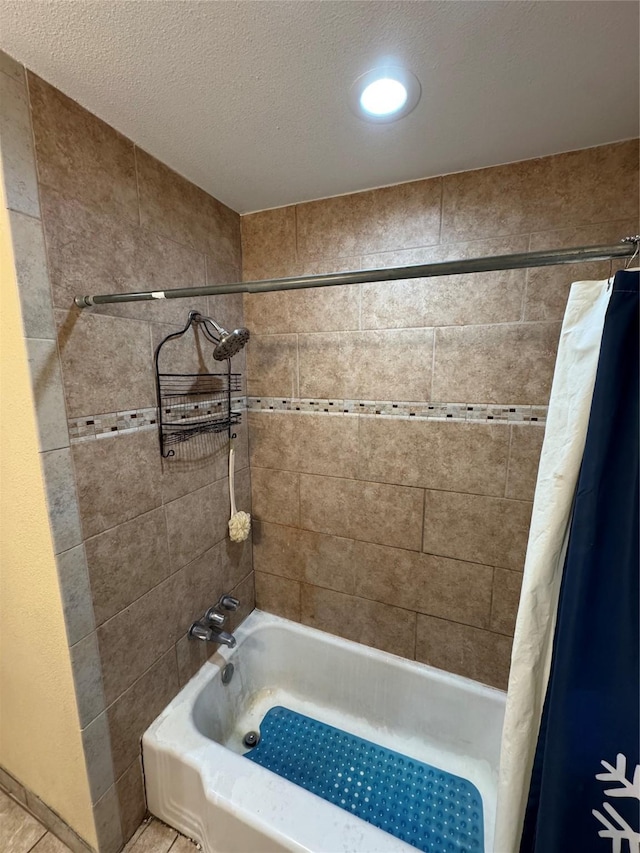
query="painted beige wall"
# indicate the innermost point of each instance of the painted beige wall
(40, 740)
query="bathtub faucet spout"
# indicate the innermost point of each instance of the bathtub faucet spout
(211, 634)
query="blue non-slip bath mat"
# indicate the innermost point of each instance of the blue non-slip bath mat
(426, 807)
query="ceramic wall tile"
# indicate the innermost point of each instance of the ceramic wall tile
(390, 218)
(269, 243)
(524, 458)
(302, 555)
(20, 178)
(487, 530)
(117, 480)
(378, 625)
(450, 589)
(373, 512)
(32, 276)
(75, 590)
(48, 394)
(491, 364)
(301, 442)
(133, 711)
(62, 501)
(173, 207)
(278, 595)
(455, 457)
(472, 652)
(81, 156)
(127, 561)
(375, 365)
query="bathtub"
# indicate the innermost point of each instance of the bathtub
(198, 782)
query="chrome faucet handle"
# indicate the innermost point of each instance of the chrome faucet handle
(228, 602)
(214, 617)
(198, 631)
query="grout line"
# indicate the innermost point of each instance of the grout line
(508, 466)
(493, 584)
(45, 832)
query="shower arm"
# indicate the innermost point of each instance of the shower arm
(627, 248)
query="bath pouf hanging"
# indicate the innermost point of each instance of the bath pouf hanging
(240, 522)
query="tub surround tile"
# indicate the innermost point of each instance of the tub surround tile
(506, 598)
(245, 592)
(447, 251)
(20, 179)
(278, 595)
(313, 310)
(227, 308)
(190, 656)
(390, 629)
(133, 710)
(75, 590)
(107, 362)
(133, 806)
(117, 480)
(134, 639)
(19, 831)
(373, 512)
(48, 393)
(127, 561)
(449, 589)
(395, 217)
(275, 496)
(374, 365)
(81, 156)
(591, 183)
(475, 528)
(453, 300)
(307, 444)
(32, 276)
(235, 561)
(548, 287)
(524, 458)
(61, 499)
(269, 243)
(272, 365)
(472, 652)
(173, 207)
(301, 555)
(106, 815)
(87, 676)
(94, 250)
(478, 362)
(97, 750)
(461, 457)
(195, 522)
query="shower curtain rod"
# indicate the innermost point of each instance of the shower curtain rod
(627, 248)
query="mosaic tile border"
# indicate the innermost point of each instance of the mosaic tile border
(476, 412)
(112, 424)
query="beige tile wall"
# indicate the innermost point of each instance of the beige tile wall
(141, 542)
(410, 535)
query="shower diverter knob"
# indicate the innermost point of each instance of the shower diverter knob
(228, 602)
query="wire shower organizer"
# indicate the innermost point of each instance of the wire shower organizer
(193, 405)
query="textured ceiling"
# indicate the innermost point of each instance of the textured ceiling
(249, 99)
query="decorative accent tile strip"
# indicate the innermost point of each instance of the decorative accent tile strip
(110, 424)
(478, 412)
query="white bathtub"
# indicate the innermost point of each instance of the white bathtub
(198, 781)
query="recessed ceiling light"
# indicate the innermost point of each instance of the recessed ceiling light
(384, 94)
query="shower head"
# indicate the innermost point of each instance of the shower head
(230, 343)
(227, 344)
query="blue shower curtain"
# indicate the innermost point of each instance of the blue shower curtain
(585, 786)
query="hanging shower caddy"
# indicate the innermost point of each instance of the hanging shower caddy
(192, 405)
